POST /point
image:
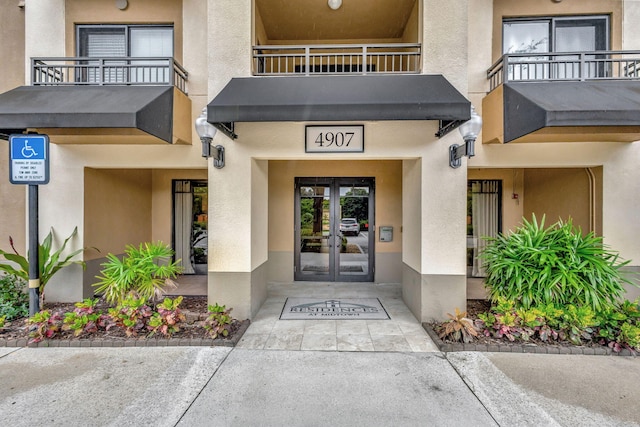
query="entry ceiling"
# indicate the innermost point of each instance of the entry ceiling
(314, 20)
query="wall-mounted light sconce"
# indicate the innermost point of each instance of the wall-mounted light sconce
(206, 131)
(469, 131)
(335, 4)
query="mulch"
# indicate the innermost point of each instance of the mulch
(192, 332)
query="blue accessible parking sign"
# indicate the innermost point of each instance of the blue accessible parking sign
(29, 159)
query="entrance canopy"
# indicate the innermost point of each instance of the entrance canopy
(337, 98)
(581, 111)
(66, 110)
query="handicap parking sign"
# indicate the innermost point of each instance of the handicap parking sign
(29, 159)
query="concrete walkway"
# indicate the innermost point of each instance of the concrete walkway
(202, 386)
(316, 373)
(401, 332)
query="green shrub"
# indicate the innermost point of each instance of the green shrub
(219, 321)
(536, 266)
(14, 300)
(145, 271)
(617, 327)
(45, 324)
(131, 315)
(167, 318)
(84, 319)
(49, 262)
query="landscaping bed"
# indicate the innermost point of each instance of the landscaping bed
(514, 340)
(192, 331)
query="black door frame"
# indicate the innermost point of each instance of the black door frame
(334, 274)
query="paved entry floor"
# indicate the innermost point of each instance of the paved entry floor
(402, 332)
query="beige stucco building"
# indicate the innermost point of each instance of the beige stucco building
(324, 115)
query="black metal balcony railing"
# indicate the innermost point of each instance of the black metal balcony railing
(336, 59)
(565, 66)
(108, 71)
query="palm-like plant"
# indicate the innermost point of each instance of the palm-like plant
(145, 271)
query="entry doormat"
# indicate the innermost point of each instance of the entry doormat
(333, 308)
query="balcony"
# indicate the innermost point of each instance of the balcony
(84, 100)
(550, 67)
(86, 71)
(563, 97)
(340, 59)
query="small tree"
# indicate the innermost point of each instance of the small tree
(49, 262)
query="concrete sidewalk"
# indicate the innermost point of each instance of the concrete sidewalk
(219, 386)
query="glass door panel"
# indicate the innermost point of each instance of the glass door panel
(527, 37)
(353, 256)
(314, 232)
(581, 35)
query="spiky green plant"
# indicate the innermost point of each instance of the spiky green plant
(145, 270)
(536, 266)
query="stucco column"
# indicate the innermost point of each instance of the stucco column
(434, 195)
(62, 208)
(44, 31)
(60, 201)
(630, 34)
(237, 193)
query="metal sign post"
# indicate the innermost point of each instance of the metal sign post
(29, 164)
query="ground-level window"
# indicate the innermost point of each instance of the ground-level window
(115, 41)
(554, 34)
(484, 219)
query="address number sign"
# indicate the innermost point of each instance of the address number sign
(334, 139)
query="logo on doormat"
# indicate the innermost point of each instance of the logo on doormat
(333, 308)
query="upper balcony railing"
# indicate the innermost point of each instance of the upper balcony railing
(108, 71)
(336, 59)
(565, 66)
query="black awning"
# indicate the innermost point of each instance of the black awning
(147, 108)
(338, 98)
(530, 106)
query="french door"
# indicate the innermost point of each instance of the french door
(334, 229)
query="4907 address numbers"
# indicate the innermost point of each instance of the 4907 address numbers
(334, 139)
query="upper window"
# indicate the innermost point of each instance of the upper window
(131, 41)
(566, 34)
(125, 40)
(542, 36)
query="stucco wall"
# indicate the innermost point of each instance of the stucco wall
(412, 28)
(137, 12)
(13, 205)
(631, 17)
(532, 8)
(558, 194)
(117, 209)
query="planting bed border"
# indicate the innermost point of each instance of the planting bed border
(446, 347)
(133, 342)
